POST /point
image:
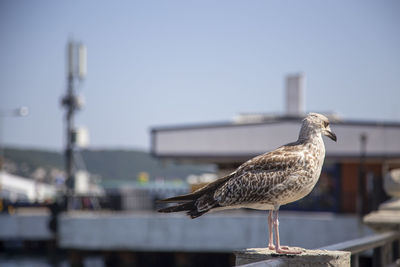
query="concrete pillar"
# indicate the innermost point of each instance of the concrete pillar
(306, 258)
(387, 218)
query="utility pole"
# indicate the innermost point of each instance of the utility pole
(76, 57)
(361, 204)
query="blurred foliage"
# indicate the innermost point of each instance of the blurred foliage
(107, 163)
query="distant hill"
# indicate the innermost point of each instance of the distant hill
(126, 164)
(109, 164)
(24, 162)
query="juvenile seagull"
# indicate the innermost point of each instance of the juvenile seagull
(266, 182)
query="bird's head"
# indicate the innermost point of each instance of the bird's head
(317, 123)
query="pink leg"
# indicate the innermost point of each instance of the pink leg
(270, 232)
(271, 245)
(278, 247)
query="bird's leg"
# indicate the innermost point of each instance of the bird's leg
(278, 247)
(271, 245)
(270, 232)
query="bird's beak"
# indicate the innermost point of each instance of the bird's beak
(330, 134)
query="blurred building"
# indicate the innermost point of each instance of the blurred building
(355, 165)
(20, 189)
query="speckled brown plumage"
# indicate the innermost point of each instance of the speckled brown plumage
(267, 181)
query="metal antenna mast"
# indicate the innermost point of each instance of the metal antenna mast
(76, 53)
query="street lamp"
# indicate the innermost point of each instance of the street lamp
(17, 112)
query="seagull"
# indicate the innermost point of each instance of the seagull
(267, 181)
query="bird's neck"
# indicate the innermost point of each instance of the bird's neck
(312, 140)
(308, 134)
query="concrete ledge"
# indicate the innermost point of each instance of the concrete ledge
(218, 232)
(306, 258)
(149, 231)
(26, 226)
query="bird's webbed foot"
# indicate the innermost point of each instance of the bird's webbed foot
(287, 250)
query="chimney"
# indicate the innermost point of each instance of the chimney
(295, 86)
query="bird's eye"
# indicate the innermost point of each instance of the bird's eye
(326, 124)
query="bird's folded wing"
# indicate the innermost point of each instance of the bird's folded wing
(258, 177)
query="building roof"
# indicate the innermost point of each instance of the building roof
(249, 136)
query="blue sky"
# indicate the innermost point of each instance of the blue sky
(154, 63)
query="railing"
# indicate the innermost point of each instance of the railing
(386, 249)
(385, 246)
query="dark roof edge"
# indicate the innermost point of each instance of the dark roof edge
(233, 156)
(223, 124)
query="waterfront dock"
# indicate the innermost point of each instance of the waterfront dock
(150, 231)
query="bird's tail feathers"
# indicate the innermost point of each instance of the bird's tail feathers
(195, 213)
(193, 208)
(196, 203)
(179, 207)
(189, 207)
(182, 198)
(198, 193)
